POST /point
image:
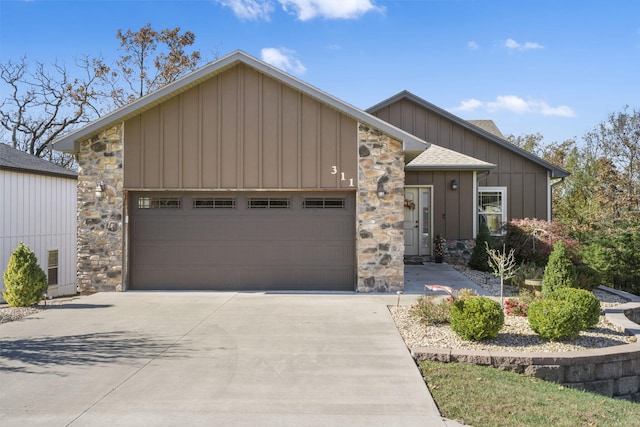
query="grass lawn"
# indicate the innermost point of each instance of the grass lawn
(481, 396)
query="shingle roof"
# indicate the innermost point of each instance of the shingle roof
(70, 142)
(488, 126)
(439, 158)
(16, 160)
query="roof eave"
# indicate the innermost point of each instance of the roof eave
(556, 171)
(70, 142)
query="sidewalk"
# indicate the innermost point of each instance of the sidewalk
(417, 276)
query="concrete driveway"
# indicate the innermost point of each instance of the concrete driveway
(206, 358)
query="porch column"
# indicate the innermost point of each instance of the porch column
(380, 212)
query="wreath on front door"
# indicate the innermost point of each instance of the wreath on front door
(409, 204)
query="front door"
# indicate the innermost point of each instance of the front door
(417, 221)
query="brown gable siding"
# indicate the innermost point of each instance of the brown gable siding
(452, 210)
(240, 130)
(525, 180)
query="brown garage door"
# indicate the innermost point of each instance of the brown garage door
(242, 241)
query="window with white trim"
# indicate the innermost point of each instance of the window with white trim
(52, 267)
(492, 208)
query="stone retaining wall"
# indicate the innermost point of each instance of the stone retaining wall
(611, 371)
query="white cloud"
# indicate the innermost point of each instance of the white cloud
(472, 45)
(283, 58)
(249, 9)
(516, 105)
(511, 44)
(304, 10)
(329, 9)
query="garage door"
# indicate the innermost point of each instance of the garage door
(242, 241)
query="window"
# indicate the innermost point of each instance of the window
(214, 203)
(269, 203)
(52, 267)
(324, 203)
(159, 202)
(492, 208)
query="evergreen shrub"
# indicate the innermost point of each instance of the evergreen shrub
(476, 318)
(554, 320)
(560, 271)
(24, 280)
(586, 305)
(479, 259)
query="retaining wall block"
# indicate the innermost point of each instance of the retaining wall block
(432, 354)
(471, 356)
(579, 373)
(603, 387)
(608, 370)
(553, 373)
(626, 385)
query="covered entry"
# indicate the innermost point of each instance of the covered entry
(242, 240)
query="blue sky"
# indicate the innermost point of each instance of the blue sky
(555, 67)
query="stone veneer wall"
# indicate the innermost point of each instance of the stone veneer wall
(379, 226)
(610, 371)
(458, 252)
(100, 220)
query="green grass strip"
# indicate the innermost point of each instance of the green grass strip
(481, 397)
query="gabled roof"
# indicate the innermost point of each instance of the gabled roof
(489, 126)
(70, 142)
(556, 172)
(439, 158)
(15, 160)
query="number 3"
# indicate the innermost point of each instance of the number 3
(334, 170)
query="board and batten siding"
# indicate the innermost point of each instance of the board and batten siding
(241, 129)
(526, 182)
(40, 211)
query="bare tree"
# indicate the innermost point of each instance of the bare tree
(42, 105)
(149, 60)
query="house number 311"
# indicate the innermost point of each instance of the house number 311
(334, 171)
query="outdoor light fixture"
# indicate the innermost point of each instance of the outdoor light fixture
(100, 189)
(381, 191)
(454, 185)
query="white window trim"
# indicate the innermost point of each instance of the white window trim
(503, 191)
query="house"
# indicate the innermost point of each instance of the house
(239, 176)
(513, 183)
(38, 208)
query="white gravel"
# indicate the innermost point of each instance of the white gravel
(516, 335)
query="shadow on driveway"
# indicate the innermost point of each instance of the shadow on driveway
(45, 354)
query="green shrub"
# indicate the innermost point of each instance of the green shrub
(431, 310)
(586, 305)
(534, 239)
(587, 278)
(479, 259)
(24, 280)
(476, 318)
(560, 272)
(613, 252)
(554, 319)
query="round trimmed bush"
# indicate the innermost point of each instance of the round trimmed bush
(585, 304)
(476, 318)
(554, 319)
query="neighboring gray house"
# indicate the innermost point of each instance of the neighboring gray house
(38, 208)
(239, 176)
